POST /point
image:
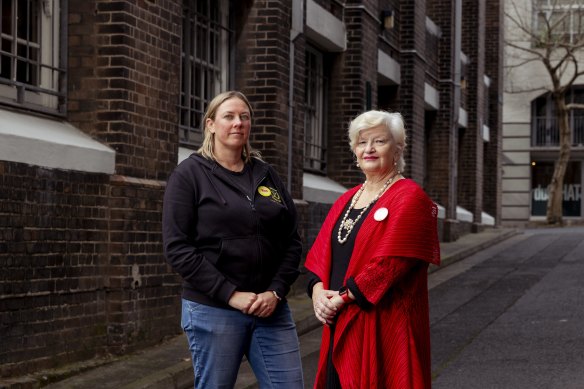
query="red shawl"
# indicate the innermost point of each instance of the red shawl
(387, 346)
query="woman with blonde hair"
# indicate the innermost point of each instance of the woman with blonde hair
(230, 231)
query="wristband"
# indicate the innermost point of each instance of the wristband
(276, 295)
(344, 293)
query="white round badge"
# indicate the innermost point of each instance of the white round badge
(380, 214)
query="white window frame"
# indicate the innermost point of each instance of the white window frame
(572, 9)
(46, 92)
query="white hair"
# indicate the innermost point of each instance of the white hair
(392, 122)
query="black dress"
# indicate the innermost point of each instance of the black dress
(340, 258)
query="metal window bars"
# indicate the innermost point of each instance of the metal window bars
(204, 64)
(32, 54)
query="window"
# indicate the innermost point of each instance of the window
(545, 128)
(32, 55)
(205, 63)
(541, 176)
(314, 113)
(563, 19)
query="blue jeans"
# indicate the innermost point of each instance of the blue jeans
(219, 338)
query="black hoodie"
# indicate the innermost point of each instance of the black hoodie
(221, 239)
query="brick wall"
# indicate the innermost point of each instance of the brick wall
(411, 94)
(311, 217)
(142, 294)
(494, 70)
(352, 70)
(54, 251)
(81, 254)
(441, 175)
(124, 58)
(470, 158)
(82, 267)
(262, 73)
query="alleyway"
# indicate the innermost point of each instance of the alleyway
(515, 318)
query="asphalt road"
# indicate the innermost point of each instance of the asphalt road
(515, 319)
(510, 316)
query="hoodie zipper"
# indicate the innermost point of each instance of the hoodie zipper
(251, 204)
(251, 199)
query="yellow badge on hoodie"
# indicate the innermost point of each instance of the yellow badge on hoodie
(264, 191)
(270, 192)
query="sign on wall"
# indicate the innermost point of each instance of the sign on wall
(541, 175)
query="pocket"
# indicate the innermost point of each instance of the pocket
(238, 259)
(188, 309)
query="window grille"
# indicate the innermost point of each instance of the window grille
(205, 63)
(545, 126)
(32, 54)
(565, 18)
(314, 113)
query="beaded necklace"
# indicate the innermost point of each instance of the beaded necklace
(347, 223)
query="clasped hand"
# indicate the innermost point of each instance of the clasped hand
(260, 305)
(326, 303)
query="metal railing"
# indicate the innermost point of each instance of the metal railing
(204, 65)
(33, 55)
(546, 131)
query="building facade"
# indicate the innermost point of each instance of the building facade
(531, 135)
(99, 100)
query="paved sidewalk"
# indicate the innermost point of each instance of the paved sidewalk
(168, 366)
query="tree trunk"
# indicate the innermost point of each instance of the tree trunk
(555, 189)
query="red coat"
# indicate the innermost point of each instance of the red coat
(387, 346)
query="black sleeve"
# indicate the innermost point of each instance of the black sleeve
(178, 219)
(360, 298)
(313, 279)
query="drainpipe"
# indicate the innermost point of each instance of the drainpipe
(295, 31)
(453, 149)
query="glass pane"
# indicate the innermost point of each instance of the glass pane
(202, 52)
(560, 22)
(5, 67)
(314, 142)
(27, 64)
(560, 3)
(6, 17)
(578, 26)
(20, 54)
(541, 175)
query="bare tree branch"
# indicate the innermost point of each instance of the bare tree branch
(526, 90)
(522, 24)
(574, 106)
(576, 72)
(523, 62)
(550, 37)
(526, 49)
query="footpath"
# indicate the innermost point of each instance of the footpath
(168, 365)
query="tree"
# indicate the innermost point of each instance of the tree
(551, 32)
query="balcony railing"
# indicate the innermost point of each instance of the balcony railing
(546, 132)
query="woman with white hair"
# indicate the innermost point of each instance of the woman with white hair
(369, 268)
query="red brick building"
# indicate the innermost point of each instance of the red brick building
(100, 99)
